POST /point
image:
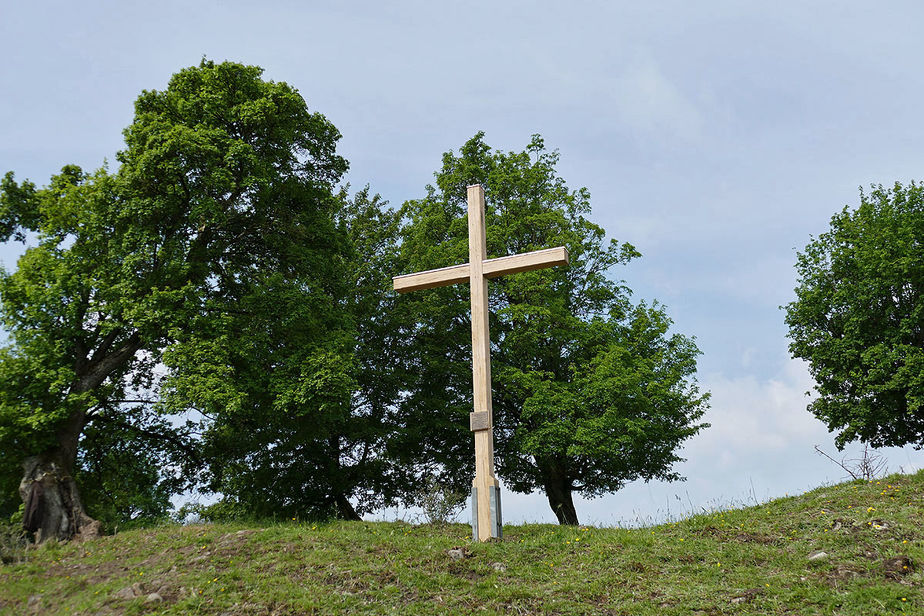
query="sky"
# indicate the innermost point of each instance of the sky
(716, 137)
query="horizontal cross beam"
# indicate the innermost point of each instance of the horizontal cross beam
(492, 268)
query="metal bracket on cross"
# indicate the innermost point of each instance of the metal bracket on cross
(496, 528)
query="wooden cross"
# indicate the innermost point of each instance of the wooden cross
(486, 513)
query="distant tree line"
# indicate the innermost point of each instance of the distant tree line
(216, 314)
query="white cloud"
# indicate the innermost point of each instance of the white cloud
(760, 446)
(646, 100)
(751, 415)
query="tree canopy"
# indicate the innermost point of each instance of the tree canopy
(217, 312)
(300, 414)
(221, 210)
(590, 389)
(858, 318)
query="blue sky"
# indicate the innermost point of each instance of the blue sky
(717, 137)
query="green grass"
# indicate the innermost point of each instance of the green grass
(744, 561)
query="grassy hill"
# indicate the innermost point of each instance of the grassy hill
(855, 548)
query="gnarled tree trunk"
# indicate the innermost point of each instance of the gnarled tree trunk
(53, 506)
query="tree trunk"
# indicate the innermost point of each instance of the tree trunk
(54, 510)
(345, 509)
(53, 506)
(335, 474)
(558, 490)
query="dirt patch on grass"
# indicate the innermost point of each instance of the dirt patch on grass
(897, 567)
(738, 537)
(747, 537)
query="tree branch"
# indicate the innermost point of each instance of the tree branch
(104, 366)
(168, 437)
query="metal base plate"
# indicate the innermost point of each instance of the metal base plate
(497, 528)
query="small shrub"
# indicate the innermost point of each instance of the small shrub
(13, 540)
(440, 504)
(221, 511)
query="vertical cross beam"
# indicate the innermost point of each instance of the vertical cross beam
(485, 485)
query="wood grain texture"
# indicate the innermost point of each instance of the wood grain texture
(491, 268)
(538, 259)
(481, 356)
(431, 279)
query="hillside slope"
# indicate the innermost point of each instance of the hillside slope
(854, 548)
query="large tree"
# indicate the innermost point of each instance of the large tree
(858, 319)
(590, 389)
(223, 201)
(300, 415)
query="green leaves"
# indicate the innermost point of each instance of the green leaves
(220, 252)
(18, 208)
(858, 318)
(214, 249)
(590, 391)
